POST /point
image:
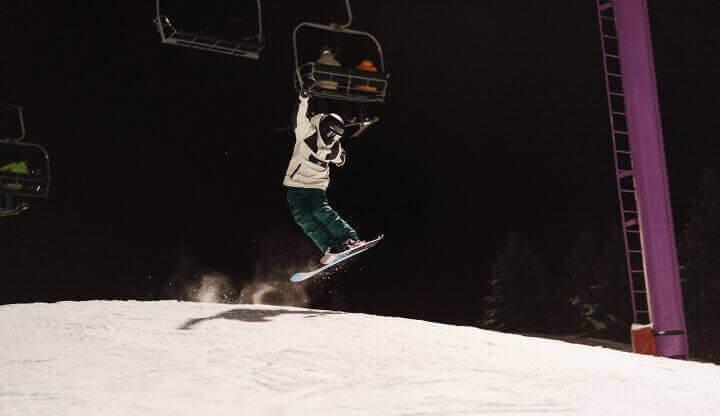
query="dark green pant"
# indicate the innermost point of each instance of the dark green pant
(321, 223)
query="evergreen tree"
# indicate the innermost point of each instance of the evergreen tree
(699, 245)
(596, 286)
(584, 267)
(518, 289)
(617, 289)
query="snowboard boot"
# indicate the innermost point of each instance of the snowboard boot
(348, 245)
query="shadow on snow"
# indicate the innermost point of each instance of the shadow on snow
(252, 315)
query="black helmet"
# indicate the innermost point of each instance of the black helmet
(332, 128)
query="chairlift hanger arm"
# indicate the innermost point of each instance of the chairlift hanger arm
(350, 17)
(261, 34)
(22, 123)
(159, 17)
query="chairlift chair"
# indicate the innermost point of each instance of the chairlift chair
(247, 48)
(24, 167)
(352, 84)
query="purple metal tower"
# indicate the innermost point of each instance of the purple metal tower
(641, 173)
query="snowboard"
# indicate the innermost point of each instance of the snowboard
(342, 257)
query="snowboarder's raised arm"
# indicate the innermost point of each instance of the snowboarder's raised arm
(303, 128)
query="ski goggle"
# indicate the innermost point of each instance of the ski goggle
(334, 132)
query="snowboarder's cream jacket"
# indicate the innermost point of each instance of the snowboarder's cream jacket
(309, 166)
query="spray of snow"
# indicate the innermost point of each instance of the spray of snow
(214, 288)
(257, 297)
(274, 293)
(268, 284)
(218, 288)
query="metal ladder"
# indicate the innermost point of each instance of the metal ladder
(623, 161)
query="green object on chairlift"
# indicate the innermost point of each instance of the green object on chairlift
(16, 167)
(12, 187)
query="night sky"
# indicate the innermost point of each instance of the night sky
(497, 121)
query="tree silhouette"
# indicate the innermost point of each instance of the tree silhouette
(518, 289)
(596, 286)
(699, 245)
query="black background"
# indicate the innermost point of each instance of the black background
(497, 122)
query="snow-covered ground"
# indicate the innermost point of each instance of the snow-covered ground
(174, 358)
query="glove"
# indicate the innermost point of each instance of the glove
(342, 159)
(308, 83)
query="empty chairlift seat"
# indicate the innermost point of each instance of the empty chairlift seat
(247, 48)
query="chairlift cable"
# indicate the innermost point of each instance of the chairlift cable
(111, 68)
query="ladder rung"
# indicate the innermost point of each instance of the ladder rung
(615, 93)
(639, 291)
(620, 131)
(636, 271)
(624, 152)
(612, 74)
(607, 18)
(635, 251)
(619, 112)
(628, 191)
(606, 6)
(629, 211)
(610, 37)
(612, 56)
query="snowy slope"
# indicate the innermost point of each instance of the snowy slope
(173, 358)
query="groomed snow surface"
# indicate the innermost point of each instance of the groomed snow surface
(177, 358)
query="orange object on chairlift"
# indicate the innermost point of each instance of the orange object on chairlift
(369, 66)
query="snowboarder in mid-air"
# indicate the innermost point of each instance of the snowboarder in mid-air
(317, 145)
